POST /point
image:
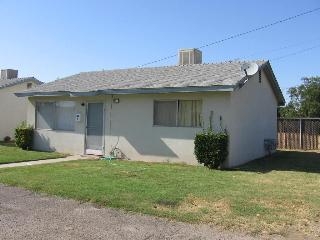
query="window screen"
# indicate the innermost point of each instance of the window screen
(182, 113)
(165, 113)
(45, 115)
(56, 115)
(65, 114)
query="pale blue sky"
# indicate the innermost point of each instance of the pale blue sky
(57, 38)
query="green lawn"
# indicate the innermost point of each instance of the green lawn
(263, 196)
(9, 153)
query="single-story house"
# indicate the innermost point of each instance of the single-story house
(153, 113)
(13, 110)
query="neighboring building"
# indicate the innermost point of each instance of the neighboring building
(153, 114)
(13, 110)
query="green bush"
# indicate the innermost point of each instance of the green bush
(24, 136)
(211, 149)
(7, 139)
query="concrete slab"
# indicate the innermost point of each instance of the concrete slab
(47, 161)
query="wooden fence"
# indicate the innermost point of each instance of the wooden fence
(299, 133)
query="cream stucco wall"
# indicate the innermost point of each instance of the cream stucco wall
(253, 119)
(248, 114)
(132, 127)
(62, 141)
(129, 126)
(13, 110)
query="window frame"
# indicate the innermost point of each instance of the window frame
(54, 128)
(177, 112)
(36, 115)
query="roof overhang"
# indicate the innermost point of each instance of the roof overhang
(274, 83)
(218, 88)
(23, 80)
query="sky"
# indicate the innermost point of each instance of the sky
(56, 38)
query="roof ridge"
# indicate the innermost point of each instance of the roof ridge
(172, 66)
(16, 78)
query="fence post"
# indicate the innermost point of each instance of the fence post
(300, 134)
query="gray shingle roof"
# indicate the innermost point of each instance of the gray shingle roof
(14, 81)
(196, 76)
(199, 75)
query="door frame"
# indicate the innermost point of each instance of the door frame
(92, 151)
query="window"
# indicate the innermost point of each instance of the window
(189, 113)
(165, 113)
(181, 113)
(29, 85)
(65, 114)
(45, 113)
(55, 115)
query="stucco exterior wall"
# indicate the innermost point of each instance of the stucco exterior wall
(249, 114)
(133, 131)
(253, 112)
(129, 126)
(55, 140)
(13, 110)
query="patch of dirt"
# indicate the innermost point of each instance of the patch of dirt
(195, 204)
(295, 214)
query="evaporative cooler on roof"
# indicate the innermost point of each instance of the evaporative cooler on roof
(190, 56)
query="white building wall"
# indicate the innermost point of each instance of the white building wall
(249, 114)
(13, 110)
(55, 140)
(254, 118)
(133, 132)
(129, 126)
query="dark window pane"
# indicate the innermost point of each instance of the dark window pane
(165, 113)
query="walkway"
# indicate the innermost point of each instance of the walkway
(38, 162)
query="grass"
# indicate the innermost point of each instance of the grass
(264, 196)
(9, 153)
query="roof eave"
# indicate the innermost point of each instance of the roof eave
(24, 80)
(217, 88)
(274, 83)
(36, 94)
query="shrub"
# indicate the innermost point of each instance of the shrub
(211, 149)
(24, 136)
(7, 139)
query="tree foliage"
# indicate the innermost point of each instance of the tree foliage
(304, 99)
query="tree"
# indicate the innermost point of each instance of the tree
(304, 99)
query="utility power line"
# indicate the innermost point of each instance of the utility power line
(240, 34)
(295, 53)
(283, 47)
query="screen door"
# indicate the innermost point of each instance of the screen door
(94, 137)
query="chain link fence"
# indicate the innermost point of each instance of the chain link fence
(299, 133)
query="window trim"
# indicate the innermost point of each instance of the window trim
(177, 112)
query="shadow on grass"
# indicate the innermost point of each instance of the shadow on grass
(297, 161)
(7, 144)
